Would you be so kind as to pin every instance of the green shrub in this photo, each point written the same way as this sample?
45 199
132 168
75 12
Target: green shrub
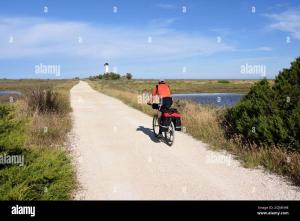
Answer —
269 115
46 175
11 136
223 82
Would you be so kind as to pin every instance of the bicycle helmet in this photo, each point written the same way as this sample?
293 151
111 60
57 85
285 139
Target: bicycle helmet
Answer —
161 81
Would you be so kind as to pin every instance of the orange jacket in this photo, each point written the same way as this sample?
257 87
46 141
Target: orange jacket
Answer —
162 90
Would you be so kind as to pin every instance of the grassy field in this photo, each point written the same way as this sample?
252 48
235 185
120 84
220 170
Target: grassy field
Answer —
25 87
35 125
204 123
185 86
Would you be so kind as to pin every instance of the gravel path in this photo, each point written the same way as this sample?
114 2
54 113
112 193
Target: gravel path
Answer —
117 157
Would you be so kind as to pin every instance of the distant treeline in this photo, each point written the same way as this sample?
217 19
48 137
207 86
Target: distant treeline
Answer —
111 76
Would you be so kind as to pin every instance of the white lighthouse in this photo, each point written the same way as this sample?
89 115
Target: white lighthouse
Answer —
106 68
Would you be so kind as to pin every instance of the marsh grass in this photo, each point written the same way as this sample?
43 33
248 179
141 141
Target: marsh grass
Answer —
182 86
48 130
47 101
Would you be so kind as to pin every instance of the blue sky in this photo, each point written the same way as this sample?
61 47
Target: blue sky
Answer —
150 39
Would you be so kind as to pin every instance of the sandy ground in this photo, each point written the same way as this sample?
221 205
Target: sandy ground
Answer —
117 157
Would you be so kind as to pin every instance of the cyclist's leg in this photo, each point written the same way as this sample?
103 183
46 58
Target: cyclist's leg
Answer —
162 108
158 120
160 104
165 104
168 101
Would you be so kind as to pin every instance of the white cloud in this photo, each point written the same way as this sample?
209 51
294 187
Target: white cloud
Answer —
162 23
35 37
254 49
287 21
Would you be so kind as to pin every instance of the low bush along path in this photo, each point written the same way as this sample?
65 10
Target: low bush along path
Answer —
118 157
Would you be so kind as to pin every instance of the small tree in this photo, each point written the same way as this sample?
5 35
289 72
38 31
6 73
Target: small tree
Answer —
114 76
129 76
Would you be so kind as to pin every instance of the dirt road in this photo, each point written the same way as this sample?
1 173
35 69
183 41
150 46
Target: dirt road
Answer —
118 157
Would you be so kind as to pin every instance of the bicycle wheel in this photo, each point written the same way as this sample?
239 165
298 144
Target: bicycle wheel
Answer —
155 125
169 135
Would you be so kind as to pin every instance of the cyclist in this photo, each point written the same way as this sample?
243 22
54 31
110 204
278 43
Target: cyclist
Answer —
163 92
